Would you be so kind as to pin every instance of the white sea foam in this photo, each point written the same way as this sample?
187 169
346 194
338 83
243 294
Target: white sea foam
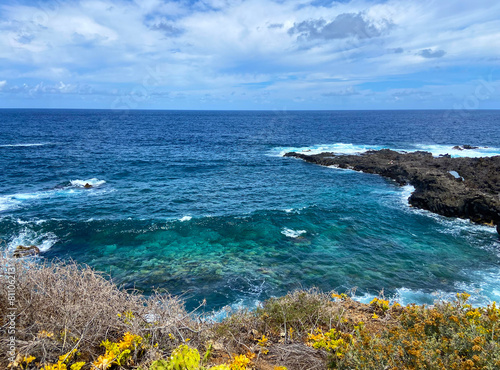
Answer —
224 312
185 218
406 192
36 222
292 233
24 145
8 202
338 148
438 150
27 237
342 148
13 201
483 290
94 182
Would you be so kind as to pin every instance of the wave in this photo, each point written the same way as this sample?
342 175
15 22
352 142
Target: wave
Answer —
185 218
406 192
43 240
13 201
346 149
339 148
24 145
484 289
292 233
94 182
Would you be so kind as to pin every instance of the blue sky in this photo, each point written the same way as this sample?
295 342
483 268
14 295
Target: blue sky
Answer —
250 54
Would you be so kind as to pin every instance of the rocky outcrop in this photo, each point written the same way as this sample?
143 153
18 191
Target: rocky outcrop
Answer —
23 251
465 147
455 187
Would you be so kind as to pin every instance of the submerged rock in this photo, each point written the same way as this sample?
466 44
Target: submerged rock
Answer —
474 196
465 147
23 251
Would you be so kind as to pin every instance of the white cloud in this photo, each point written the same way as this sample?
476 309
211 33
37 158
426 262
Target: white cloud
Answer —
217 46
2 84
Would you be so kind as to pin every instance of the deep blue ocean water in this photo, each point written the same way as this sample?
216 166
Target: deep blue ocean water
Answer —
202 203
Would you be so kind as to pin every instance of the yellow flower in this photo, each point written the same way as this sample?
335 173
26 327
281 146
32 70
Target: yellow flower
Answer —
375 316
67 357
103 362
58 366
45 334
28 359
263 341
240 362
77 365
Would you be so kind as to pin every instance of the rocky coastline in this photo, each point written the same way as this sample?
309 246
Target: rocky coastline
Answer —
467 188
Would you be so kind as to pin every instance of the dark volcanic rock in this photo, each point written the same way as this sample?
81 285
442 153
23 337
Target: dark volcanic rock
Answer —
22 251
464 147
475 195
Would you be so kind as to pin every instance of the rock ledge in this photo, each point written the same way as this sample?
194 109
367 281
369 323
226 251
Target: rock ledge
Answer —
455 187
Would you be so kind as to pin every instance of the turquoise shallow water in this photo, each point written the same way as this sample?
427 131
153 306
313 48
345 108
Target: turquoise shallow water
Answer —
202 204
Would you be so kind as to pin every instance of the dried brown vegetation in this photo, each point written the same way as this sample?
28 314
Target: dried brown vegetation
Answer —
69 317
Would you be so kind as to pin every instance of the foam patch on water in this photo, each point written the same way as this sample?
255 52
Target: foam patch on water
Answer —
224 312
13 201
438 150
8 202
484 290
452 225
346 149
406 192
27 237
94 182
27 145
292 233
338 148
185 218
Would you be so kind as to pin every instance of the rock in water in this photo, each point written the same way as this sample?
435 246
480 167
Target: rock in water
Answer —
465 147
22 251
87 186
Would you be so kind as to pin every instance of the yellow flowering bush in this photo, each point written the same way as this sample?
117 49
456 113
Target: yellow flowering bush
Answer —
332 341
64 360
380 304
187 358
449 335
117 353
240 362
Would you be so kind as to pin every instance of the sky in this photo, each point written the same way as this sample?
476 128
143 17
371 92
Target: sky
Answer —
250 54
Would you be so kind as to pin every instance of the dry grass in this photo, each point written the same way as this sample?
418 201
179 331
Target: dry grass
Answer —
61 306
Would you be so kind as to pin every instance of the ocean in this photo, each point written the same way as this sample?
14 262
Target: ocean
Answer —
203 205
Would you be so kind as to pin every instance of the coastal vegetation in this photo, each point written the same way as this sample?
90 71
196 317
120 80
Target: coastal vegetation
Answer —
69 317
